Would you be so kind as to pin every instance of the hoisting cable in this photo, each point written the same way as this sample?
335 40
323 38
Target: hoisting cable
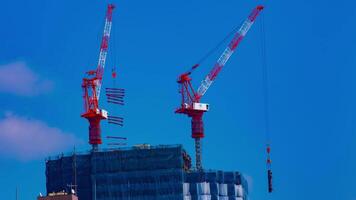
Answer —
214 49
266 104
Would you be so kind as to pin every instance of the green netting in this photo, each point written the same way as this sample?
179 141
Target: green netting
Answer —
134 173
153 173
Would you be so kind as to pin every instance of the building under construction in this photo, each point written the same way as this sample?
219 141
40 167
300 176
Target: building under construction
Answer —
142 172
145 172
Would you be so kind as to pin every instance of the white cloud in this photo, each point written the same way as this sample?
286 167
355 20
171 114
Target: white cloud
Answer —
17 78
26 139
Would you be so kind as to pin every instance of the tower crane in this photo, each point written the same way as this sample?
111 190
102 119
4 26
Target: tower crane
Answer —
190 98
92 85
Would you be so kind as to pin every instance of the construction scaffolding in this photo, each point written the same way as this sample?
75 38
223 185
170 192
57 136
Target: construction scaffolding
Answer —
140 173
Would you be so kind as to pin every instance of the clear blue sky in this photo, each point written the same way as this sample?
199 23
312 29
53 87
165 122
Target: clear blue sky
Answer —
311 65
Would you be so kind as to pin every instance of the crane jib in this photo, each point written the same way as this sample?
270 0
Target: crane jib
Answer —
103 51
206 83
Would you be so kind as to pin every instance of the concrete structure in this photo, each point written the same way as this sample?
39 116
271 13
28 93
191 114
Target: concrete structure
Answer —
141 173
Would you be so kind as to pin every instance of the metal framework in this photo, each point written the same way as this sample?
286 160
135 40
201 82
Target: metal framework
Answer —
190 101
92 85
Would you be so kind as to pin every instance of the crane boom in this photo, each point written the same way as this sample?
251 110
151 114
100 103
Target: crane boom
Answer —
230 49
104 49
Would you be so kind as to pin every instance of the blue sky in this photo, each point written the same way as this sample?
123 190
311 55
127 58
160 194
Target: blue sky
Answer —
48 45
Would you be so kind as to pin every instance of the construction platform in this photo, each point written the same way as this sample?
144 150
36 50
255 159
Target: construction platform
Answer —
142 172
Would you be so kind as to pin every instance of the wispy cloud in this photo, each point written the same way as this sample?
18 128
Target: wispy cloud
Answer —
17 78
26 139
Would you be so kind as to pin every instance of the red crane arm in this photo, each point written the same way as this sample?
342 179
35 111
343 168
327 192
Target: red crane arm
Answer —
230 49
104 49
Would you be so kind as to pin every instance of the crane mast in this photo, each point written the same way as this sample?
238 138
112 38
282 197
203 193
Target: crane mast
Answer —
92 85
190 101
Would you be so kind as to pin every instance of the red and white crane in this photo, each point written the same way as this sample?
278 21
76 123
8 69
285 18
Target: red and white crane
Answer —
92 85
190 102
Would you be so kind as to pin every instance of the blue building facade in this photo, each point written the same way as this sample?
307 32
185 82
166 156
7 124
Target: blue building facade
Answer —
141 173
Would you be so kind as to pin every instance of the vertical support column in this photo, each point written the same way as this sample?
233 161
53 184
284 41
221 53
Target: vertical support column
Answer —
94 189
197 134
93 174
198 154
94 131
